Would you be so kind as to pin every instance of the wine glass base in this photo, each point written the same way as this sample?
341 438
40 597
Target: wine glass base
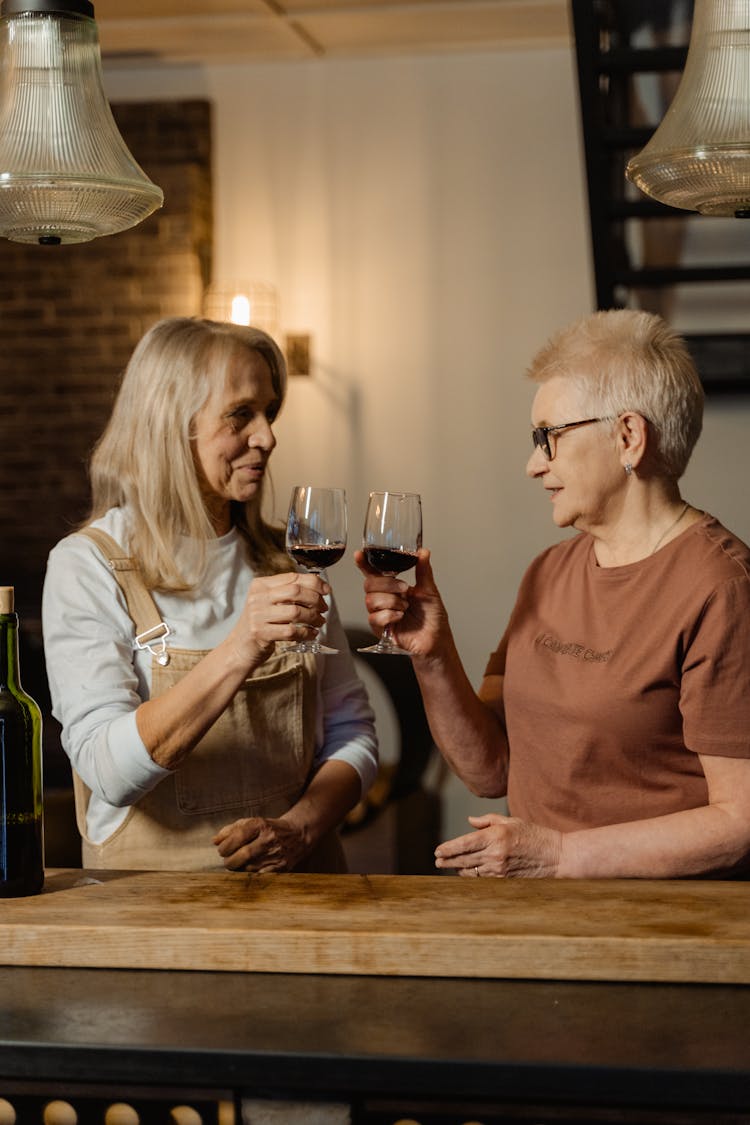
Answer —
314 647
385 650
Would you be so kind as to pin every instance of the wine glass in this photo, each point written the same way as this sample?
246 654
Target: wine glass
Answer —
392 537
316 539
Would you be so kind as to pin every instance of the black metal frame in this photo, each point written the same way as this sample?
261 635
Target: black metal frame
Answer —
48 7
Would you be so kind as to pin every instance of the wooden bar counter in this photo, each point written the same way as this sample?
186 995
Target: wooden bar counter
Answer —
433 999
385 926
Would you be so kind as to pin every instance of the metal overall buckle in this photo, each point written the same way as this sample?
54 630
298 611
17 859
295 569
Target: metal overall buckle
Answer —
154 640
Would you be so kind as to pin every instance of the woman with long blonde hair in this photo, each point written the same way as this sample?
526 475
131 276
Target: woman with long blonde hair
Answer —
195 737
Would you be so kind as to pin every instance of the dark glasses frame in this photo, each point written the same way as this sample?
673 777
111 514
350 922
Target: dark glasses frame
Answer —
540 434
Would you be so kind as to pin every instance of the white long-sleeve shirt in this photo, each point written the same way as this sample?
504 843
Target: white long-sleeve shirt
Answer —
98 679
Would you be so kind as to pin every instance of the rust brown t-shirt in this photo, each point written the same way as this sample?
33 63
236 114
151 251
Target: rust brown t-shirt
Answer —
617 678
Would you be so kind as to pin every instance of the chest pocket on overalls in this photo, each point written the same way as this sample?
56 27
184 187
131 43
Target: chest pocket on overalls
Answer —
261 747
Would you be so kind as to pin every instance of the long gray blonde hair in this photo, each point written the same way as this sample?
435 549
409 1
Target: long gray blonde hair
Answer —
144 463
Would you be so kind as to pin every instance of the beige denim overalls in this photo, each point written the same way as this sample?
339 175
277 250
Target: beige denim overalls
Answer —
255 760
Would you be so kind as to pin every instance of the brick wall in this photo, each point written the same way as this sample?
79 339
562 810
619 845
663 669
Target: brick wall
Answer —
69 319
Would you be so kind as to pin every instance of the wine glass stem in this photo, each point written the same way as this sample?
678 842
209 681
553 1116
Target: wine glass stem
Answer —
386 638
313 645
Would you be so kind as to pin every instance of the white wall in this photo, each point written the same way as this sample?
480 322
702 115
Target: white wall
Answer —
425 220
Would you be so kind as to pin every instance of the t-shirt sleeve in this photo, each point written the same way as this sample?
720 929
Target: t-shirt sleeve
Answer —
715 686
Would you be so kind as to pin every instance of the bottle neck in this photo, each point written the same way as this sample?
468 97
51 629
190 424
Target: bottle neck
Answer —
9 651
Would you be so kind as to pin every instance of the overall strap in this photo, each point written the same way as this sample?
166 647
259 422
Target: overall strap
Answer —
151 631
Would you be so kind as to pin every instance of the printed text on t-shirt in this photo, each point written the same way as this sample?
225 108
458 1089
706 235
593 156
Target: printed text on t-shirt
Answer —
570 648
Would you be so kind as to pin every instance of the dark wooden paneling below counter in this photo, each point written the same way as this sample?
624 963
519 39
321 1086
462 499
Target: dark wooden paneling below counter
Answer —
437 1051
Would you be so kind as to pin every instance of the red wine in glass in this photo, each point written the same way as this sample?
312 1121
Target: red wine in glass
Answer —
391 539
387 561
316 539
316 558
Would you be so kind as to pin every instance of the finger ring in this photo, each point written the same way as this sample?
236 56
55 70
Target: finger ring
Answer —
476 872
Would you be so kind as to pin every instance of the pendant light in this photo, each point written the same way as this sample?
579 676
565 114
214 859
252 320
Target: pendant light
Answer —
66 175
699 157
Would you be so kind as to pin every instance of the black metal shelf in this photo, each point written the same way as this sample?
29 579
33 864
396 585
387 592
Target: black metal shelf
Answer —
640 60
653 278
633 137
723 360
644 209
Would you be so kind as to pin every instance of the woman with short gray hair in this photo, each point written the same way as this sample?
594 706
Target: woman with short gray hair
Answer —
615 711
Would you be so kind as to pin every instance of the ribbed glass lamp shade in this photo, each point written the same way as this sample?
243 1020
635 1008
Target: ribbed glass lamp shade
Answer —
66 175
699 157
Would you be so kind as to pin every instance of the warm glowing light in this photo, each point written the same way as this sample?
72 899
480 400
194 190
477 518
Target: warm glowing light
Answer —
240 301
240 309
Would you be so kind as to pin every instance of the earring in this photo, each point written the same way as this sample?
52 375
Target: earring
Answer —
628 469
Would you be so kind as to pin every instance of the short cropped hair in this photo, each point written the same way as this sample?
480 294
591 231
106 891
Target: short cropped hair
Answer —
630 360
144 459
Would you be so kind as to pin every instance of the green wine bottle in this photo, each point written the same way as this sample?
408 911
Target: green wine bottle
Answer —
21 838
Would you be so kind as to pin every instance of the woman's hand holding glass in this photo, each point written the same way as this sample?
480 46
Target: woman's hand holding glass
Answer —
391 539
392 543
416 610
280 608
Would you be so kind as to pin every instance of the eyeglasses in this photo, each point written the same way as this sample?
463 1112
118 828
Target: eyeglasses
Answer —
540 435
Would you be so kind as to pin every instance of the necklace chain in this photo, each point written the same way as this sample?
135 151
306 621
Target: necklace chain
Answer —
671 527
